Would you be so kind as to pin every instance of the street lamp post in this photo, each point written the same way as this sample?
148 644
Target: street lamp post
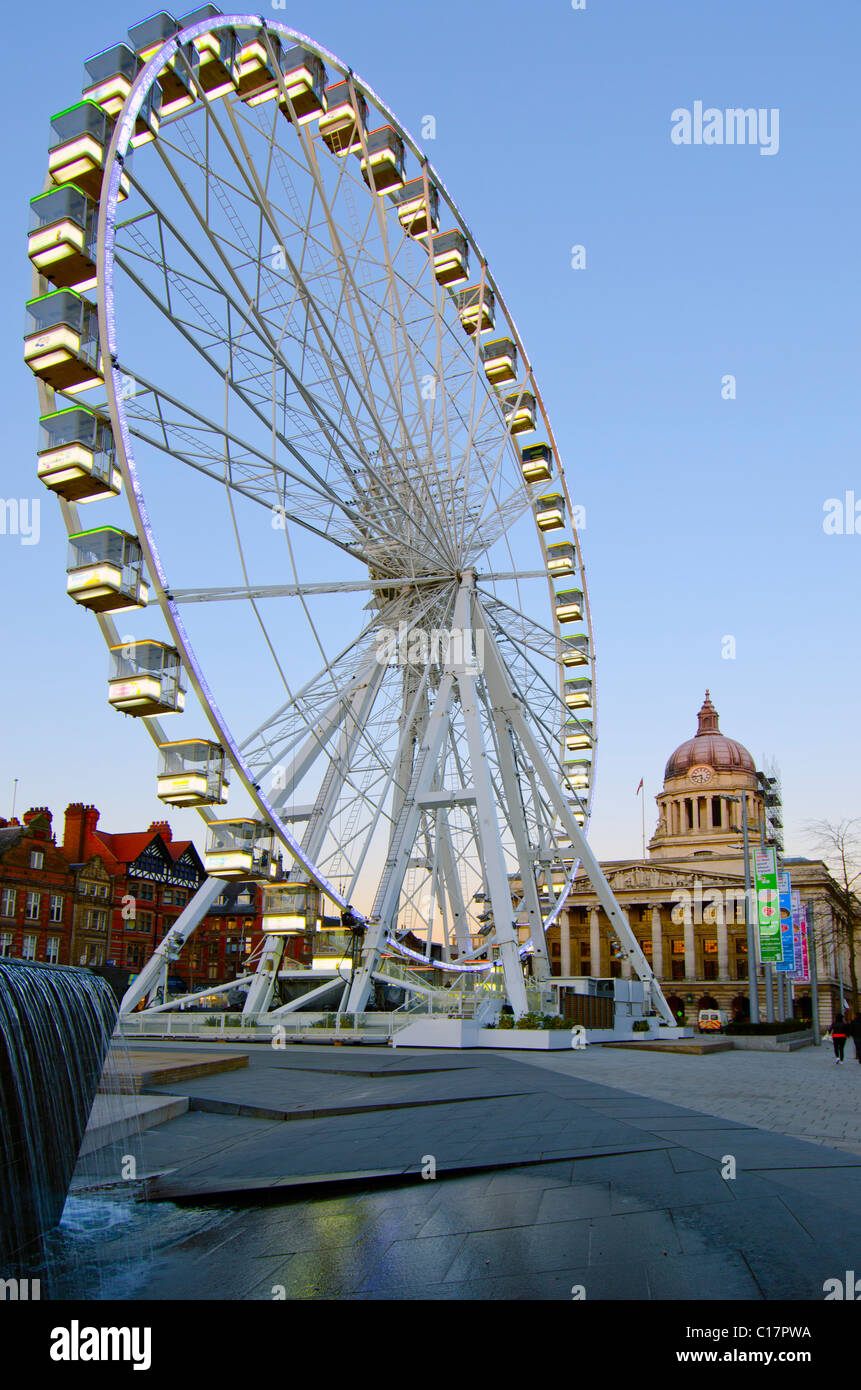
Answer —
814 974
752 979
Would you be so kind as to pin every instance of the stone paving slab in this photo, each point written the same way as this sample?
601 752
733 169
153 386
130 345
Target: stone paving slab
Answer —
559 1182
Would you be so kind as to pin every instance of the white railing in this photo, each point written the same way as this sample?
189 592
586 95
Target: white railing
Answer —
223 1027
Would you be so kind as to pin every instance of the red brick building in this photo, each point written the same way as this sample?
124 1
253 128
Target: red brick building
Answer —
152 878
37 890
105 899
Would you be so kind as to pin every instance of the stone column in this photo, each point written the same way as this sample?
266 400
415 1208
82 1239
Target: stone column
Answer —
690 954
565 939
657 943
723 947
627 971
594 943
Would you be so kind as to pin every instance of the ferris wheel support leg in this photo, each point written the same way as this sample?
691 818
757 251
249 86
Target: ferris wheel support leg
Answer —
493 858
517 821
401 846
606 897
259 995
170 946
453 886
353 712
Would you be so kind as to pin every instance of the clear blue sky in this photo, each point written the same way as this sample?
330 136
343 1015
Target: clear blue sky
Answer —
704 515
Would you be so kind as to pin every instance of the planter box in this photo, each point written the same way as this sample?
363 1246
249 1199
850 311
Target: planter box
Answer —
526 1039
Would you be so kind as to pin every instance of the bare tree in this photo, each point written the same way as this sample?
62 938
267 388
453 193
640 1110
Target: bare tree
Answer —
840 847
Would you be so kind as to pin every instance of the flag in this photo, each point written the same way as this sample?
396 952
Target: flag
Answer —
637 792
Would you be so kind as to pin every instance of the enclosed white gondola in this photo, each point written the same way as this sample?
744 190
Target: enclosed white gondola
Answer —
343 124
62 239
561 559
81 135
61 345
537 462
243 848
383 164
192 772
499 360
578 734
418 207
476 307
519 411
304 77
177 78
257 81
574 651
146 678
578 771
578 693
105 570
569 605
450 258
77 457
217 54
550 512
291 909
110 76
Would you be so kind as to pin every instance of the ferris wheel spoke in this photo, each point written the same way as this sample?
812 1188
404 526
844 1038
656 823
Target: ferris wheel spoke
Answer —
249 172
398 319
413 479
383 534
237 464
321 419
239 591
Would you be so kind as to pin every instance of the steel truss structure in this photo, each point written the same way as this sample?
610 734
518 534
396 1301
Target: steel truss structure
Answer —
347 498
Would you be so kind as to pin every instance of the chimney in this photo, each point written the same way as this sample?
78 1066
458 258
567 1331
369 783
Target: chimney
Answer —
162 828
36 814
81 821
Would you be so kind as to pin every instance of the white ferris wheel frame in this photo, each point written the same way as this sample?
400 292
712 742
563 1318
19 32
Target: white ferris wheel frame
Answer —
503 702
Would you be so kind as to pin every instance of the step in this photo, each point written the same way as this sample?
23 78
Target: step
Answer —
114 1117
142 1068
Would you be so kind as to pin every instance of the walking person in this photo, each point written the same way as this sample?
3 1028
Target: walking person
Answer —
853 1028
838 1038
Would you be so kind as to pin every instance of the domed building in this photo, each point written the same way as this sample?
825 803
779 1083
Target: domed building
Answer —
685 901
700 809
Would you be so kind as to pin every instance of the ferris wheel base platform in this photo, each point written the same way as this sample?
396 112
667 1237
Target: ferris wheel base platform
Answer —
464 1033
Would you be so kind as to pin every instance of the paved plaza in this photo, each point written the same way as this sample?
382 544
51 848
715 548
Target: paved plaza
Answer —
597 1174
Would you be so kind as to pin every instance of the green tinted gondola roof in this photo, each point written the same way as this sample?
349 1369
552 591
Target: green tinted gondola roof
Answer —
61 188
68 410
98 530
77 107
50 295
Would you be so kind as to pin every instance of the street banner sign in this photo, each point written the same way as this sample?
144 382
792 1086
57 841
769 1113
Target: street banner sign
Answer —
787 935
767 904
804 977
801 973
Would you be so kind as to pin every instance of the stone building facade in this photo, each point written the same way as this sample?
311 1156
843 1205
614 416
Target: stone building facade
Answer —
685 901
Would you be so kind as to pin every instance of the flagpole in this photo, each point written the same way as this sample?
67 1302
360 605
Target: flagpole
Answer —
641 789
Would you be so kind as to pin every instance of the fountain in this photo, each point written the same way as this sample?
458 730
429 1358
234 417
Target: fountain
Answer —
55 1028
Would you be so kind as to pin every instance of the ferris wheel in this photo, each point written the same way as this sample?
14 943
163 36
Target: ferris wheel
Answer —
331 532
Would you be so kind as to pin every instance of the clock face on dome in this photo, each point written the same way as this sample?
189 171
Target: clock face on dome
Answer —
701 774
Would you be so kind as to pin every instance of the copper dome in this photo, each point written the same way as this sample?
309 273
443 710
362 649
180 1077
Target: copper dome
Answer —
709 746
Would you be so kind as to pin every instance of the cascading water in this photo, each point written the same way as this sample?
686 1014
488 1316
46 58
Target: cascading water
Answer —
55 1030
